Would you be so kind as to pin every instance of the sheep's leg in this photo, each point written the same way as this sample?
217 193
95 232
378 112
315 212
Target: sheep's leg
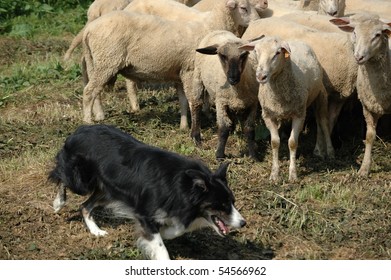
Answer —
224 124
184 90
323 132
195 103
89 96
293 142
334 109
371 121
131 88
99 115
273 125
249 131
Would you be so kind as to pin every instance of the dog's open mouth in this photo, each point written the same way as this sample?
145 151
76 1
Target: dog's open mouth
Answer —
220 225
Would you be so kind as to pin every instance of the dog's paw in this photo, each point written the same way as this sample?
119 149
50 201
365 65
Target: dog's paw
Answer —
99 232
58 204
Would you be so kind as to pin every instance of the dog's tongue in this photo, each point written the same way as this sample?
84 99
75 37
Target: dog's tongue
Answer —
222 227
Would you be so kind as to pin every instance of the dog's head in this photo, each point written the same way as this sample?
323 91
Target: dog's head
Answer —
216 200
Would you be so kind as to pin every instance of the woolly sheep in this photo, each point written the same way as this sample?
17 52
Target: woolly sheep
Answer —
316 21
371 51
96 9
147 47
221 69
168 9
207 5
290 78
379 7
188 3
335 8
333 51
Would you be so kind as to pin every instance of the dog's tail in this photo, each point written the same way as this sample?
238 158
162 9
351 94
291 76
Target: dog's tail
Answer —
73 172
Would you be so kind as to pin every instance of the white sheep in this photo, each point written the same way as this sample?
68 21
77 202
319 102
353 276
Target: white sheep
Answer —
379 7
333 51
371 51
335 8
316 21
290 78
146 47
188 3
167 9
96 9
221 69
207 5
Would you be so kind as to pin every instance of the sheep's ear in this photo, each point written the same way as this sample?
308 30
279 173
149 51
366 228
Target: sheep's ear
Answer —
340 21
248 47
211 50
285 49
346 28
386 27
387 30
230 4
256 39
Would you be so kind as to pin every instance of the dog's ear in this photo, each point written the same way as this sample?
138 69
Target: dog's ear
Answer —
221 172
198 179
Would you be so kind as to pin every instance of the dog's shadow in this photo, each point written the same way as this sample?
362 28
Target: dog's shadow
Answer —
207 245
203 244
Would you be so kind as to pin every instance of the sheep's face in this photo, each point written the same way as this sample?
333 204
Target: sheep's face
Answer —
335 8
232 59
243 12
369 39
270 53
369 35
260 5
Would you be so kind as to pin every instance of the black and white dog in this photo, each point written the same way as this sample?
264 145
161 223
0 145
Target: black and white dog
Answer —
166 193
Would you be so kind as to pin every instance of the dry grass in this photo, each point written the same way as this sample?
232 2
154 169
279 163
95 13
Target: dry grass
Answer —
328 214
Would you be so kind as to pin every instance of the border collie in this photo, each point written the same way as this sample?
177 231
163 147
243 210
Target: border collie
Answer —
165 193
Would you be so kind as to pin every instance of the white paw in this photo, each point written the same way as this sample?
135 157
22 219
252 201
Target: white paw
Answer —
99 232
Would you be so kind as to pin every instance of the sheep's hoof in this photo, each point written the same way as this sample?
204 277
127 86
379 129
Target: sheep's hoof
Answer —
197 140
99 117
363 172
220 158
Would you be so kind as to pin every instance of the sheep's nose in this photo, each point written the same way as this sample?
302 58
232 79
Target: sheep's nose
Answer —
262 78
233 81
360 59
333 14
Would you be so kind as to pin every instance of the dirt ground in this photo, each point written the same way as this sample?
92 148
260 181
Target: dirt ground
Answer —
329 213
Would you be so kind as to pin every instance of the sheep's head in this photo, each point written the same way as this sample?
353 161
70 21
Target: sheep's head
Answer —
271 54
243 11
335 8
260 5
369 35
232 59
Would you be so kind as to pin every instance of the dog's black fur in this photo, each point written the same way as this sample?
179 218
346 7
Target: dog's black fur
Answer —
166 193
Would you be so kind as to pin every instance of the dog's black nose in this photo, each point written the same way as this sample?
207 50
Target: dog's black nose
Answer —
243 223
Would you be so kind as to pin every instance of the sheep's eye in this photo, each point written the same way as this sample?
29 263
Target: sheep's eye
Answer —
277 53
223 57
244 9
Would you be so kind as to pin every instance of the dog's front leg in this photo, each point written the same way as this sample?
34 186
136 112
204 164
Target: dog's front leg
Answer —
153 247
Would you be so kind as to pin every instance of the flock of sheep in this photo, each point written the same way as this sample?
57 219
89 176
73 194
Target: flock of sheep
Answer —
277 56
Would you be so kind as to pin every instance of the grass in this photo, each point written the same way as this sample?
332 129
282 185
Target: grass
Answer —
329 213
